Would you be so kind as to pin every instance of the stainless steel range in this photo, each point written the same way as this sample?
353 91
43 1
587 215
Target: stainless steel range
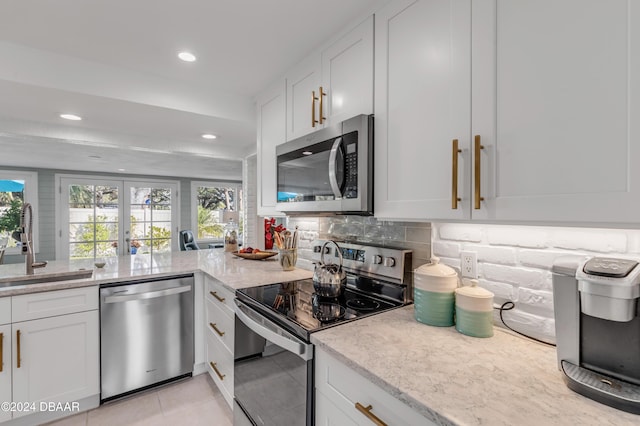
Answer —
274 384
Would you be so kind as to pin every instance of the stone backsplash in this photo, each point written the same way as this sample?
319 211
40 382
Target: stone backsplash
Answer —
414 236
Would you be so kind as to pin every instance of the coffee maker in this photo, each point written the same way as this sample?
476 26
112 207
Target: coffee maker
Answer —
598 328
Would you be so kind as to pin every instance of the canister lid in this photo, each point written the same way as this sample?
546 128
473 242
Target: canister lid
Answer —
436 269
474 291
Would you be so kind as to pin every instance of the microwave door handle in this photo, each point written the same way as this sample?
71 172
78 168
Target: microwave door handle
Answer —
333 178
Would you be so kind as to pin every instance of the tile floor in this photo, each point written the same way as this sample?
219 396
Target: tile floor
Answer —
192 402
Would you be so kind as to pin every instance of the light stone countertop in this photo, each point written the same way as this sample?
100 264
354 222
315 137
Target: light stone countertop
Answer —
454 379
232 271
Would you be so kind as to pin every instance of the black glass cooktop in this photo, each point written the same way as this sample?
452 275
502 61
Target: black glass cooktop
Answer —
296 303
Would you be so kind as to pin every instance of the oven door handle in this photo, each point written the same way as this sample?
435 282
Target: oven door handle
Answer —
304 351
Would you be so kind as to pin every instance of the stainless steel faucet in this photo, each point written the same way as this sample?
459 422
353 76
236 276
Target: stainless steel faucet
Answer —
25 236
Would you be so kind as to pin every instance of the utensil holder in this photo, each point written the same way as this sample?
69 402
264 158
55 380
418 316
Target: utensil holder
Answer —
288 258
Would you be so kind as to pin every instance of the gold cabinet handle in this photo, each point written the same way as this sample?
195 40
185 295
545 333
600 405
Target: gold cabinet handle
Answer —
313 108
477 163
454 175
214 294
220 333
367 412
322 95
1 354
213 365
18 347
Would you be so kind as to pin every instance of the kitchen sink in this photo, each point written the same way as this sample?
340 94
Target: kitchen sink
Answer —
45 278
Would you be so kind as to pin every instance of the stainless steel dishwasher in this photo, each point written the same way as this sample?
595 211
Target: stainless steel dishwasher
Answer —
146 334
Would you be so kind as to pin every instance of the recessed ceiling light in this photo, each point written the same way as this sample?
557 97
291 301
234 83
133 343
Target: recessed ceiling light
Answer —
209 136
70 117
307 153
187 56
121 170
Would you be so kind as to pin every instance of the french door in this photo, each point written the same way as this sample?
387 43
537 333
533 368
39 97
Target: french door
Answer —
105 218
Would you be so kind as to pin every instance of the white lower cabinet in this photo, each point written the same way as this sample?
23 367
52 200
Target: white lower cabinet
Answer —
53 357
57 359
5 369
219 332
344 397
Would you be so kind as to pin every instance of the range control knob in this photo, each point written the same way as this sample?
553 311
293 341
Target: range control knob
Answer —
389 261
377 259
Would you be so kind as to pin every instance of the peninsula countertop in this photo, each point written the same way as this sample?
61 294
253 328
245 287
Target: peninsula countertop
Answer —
232 271
454 379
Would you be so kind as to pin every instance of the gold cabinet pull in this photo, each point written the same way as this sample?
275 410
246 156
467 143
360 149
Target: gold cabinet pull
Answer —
313 109
220 333
476 163
213 365
1 354
322 95
367 412
18 347
454 175
214 294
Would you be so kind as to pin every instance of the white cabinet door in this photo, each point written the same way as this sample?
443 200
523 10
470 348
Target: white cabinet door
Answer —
556 89
347 74
355 399
5 369
422 103
58 358
271 132
302 109
327 414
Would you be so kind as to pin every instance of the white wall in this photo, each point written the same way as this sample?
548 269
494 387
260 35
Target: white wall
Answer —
514 262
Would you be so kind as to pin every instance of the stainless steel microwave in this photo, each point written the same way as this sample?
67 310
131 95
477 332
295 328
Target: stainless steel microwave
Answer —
329 171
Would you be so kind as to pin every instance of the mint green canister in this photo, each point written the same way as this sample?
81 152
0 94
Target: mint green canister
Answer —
434 286
474 310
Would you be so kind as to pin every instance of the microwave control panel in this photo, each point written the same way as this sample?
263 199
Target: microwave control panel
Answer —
351 172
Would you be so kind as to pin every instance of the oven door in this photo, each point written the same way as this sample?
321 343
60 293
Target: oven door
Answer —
274 386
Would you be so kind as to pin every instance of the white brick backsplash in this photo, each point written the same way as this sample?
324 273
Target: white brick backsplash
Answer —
445 249
531 278
592 240
518 236
542 259
514 262
535 301
460 232
502 292
537 326
490 254
453 262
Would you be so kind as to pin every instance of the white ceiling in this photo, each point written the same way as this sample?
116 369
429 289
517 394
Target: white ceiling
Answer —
114 63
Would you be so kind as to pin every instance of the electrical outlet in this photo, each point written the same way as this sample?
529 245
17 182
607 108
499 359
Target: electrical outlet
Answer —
469 264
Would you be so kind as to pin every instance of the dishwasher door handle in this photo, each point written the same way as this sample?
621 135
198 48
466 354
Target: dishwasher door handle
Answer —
284 342
147 295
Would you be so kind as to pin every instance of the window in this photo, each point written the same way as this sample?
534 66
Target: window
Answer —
17 188
102 217
209 200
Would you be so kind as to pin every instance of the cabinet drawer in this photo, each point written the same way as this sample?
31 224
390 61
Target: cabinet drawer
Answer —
5 310
52 303
220 324
344 387
223 360
219 294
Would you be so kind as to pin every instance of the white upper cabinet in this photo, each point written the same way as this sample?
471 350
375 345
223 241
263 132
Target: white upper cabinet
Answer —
422 104
556 89
542 96
271 126
332 85
347 74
